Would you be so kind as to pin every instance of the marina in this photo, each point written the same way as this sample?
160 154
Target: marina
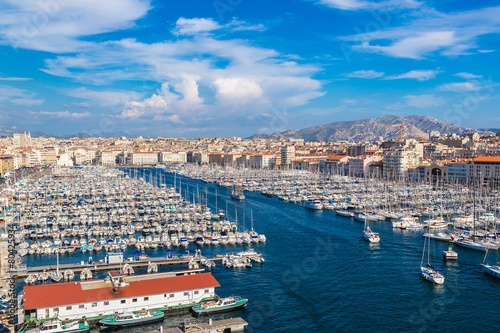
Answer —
333 240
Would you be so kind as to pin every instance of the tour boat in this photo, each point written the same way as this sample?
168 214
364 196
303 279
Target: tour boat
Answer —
56 326
133 318
221 305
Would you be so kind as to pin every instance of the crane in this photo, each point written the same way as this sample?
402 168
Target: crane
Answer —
400 129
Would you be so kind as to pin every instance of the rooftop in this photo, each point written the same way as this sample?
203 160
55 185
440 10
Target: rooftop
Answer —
53 295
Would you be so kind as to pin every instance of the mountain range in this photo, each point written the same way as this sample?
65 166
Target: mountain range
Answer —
387 128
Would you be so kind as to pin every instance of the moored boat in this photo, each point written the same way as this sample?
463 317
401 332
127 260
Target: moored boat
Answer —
220 305
56 326
133 318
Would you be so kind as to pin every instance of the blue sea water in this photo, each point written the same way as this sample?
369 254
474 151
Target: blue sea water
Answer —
321 276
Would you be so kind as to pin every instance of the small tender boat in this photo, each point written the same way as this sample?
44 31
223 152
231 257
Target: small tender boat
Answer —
221 305
56 326
133 318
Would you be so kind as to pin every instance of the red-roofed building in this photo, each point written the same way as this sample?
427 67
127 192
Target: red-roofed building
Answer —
98 298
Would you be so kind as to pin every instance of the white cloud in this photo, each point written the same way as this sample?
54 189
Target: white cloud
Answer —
369 5
423 101
419 75
468 75
239 90
56 26
194 26
368 74
461 86
62 114
485 51
431 33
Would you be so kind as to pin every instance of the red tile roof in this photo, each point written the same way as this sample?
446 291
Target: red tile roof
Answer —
53 295
487 159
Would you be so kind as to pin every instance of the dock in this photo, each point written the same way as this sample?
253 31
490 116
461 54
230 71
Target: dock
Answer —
100 266
223 325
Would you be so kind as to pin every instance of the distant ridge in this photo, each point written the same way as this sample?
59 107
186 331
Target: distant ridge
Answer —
387 127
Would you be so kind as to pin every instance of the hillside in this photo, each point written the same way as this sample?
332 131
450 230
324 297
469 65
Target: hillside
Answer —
387 127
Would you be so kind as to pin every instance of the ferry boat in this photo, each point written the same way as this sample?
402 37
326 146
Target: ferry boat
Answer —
221 305
133 318
56 326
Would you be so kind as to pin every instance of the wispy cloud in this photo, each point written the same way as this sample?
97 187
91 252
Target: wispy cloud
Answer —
103 98
56 26
431 33
15 79
461 86
365 74
203 26
424 101
18 96
468 75
419 75
369 5
62 114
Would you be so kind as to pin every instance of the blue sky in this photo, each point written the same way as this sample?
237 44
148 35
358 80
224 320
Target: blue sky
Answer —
238 67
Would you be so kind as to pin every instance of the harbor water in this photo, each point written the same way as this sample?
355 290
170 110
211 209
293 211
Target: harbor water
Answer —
320 275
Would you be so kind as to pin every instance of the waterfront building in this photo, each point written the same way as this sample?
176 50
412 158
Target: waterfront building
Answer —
108 157
262 161
170 291
359 166
457 171
287 155
484 170
143 158
397 160
6 164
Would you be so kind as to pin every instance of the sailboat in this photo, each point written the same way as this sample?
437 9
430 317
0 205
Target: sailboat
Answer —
370 236
428 272
237 193
56 276
493 270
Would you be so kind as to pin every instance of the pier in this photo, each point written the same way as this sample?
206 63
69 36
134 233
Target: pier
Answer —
194 326
103 266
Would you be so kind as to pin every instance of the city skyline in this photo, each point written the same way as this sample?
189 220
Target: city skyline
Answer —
235 68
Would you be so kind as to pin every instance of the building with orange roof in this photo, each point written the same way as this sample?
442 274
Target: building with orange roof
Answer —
118 293
484 170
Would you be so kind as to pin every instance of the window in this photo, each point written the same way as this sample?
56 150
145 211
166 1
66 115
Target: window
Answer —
106 302
122 301
196 292
69 307
172 295
56 309
207 291
81 306
134 300
94 305
146 298
186 293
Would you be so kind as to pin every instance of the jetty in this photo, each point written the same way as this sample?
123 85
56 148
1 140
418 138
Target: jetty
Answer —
194 326
103 266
